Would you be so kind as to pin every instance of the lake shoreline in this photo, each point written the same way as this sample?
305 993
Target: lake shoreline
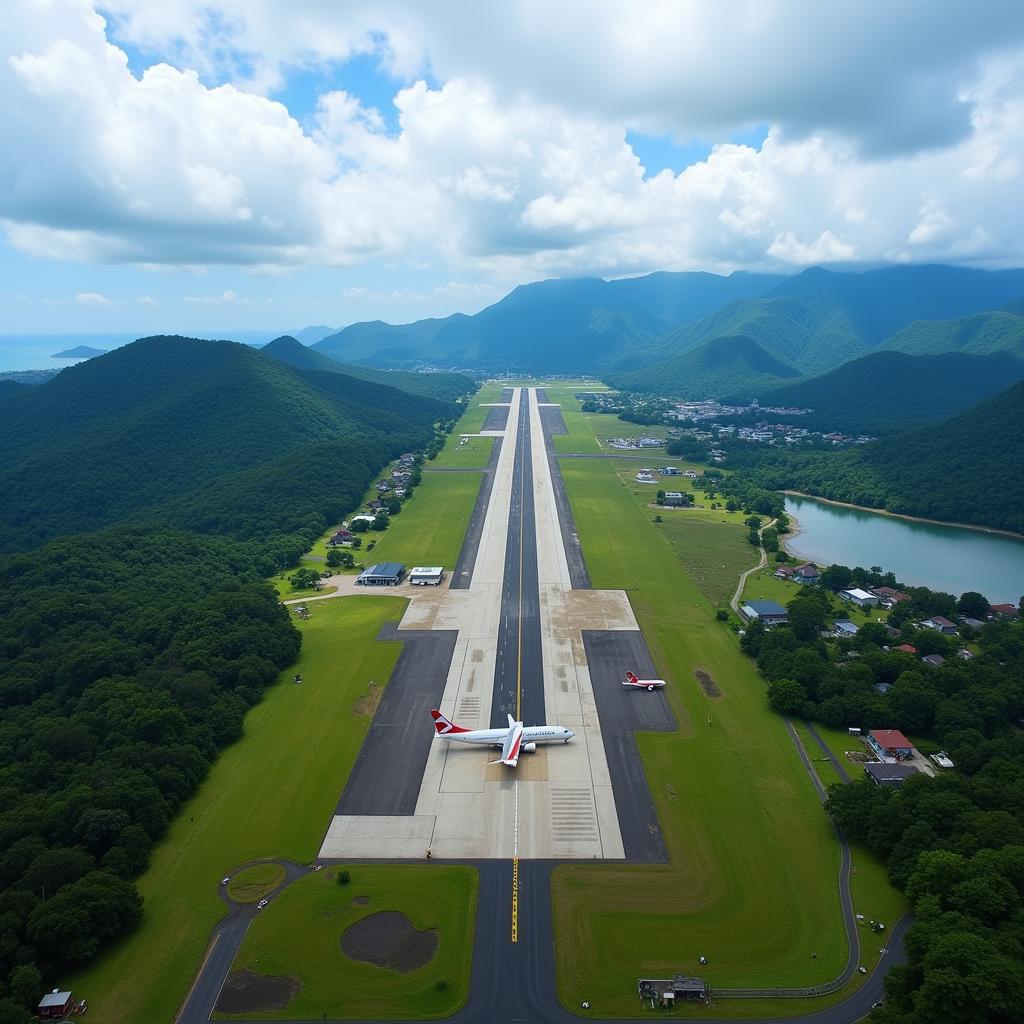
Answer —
897 515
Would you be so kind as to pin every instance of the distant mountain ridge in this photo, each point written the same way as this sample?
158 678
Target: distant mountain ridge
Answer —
552 326
810 322
448 386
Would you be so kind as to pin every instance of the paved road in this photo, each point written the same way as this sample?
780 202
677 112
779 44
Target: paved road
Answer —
388 772
519 662
496 418
734 602
553 423
462 574
623 713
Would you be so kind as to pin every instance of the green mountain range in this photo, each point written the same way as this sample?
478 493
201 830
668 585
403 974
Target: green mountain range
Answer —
551 326
447 386
198 424
888 391
811 322
981 334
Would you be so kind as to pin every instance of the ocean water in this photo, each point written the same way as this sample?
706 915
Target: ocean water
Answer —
35 351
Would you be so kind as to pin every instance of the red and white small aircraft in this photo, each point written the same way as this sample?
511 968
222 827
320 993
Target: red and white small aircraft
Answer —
649 684
512 741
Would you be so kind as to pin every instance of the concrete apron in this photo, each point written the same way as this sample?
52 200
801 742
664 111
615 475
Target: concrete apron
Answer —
558 802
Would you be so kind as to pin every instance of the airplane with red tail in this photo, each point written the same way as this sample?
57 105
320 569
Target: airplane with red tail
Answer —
511 741
646 684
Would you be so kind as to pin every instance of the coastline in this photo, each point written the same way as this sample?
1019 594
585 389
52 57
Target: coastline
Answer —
898 515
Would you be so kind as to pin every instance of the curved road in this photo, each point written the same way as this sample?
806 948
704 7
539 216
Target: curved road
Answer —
734 603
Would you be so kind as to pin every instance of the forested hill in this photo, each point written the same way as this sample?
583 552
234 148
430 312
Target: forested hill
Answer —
447 386
732 365
887 391
968 469
982 333
117 437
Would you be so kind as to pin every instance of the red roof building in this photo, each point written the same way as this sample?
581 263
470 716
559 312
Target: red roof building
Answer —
1005 611
890 743
909 648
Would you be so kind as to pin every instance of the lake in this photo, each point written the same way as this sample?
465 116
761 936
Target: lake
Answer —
947 558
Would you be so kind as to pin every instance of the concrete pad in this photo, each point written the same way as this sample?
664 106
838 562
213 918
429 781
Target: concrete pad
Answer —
377 836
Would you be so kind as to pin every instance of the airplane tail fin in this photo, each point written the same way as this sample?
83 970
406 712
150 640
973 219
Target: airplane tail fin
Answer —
631 676
442 726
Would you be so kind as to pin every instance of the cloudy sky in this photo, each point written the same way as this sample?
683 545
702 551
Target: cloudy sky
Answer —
192 165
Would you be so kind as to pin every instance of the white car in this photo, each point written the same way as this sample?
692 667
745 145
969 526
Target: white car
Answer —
224 881
262 904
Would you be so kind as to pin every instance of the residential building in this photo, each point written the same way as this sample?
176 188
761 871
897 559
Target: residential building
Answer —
888 596
807 573
844 628
906 648
935 660
55 1005
890 743
888 774
940 623
676 499
1005 611
973 623
342 537
670 471
964 655
943 760
769 613
861 598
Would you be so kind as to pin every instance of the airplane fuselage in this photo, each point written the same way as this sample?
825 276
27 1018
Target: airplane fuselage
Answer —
496 737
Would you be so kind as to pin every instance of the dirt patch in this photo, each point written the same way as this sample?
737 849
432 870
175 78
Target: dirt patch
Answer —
360 901
367 704
388 939
707 683
249 992
858 757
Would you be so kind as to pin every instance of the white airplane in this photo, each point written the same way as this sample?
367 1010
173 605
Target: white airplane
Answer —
650 684
512 741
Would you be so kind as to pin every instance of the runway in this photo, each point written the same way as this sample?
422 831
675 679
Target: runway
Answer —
518 629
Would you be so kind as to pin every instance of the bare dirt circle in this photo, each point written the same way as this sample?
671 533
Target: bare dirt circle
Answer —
707 682
249 992
388 939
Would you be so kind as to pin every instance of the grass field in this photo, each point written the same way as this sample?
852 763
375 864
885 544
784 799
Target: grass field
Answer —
753 878
474 454
431 525
269 795
253 883
334 986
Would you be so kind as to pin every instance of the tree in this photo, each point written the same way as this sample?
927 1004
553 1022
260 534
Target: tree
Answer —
359 525
807 617
380 523
787 697
304 578
26 985
71 925
336 558
660 497
973 605
753 522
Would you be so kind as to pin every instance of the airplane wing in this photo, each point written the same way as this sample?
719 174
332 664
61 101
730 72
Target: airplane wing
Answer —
513 744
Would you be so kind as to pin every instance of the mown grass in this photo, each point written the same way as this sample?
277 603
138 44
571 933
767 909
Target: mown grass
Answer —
753 878
253 883
474 454
430 528
269 795
319 910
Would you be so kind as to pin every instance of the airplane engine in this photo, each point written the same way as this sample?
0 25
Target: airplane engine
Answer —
650 688
529 747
